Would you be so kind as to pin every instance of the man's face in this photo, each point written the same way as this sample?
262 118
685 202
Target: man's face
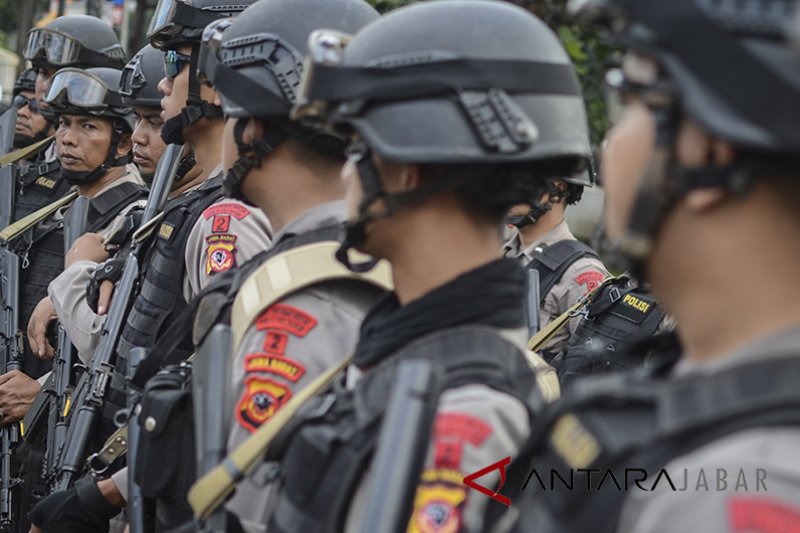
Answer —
176 90
43 77
82 142
630 144
147 143
29 123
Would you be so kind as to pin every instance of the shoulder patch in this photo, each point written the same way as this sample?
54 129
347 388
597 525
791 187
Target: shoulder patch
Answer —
238 211
47 183
763 515
451 431
261 400
634 307
221 224
275 342
439 503
592 279
286 318
273 364
220 253
165 230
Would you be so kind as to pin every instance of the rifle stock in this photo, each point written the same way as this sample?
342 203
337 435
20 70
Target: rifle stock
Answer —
90 392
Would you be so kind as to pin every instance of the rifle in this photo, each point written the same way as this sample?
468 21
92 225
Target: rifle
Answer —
74 226
532 303
10 337
139 515
210 389
90 392
402 446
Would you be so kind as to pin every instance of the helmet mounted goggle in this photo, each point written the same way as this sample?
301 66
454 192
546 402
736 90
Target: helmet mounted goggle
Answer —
132 78
76 89
219 63
172 17
52 47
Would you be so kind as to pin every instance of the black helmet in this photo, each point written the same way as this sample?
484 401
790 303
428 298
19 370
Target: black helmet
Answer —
140 77
743 87
25 82
92 92
500 98
74 41
177 22
257 63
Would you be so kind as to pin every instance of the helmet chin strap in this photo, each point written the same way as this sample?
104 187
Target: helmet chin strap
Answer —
195 108
538 210
250 156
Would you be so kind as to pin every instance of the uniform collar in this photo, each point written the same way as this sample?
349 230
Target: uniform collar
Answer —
560 232
319 216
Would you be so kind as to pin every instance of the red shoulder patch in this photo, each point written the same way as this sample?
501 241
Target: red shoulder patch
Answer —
262 398
275 342
273 364
220 253
591 279
286 318
221 224
226 208
762 515
450 432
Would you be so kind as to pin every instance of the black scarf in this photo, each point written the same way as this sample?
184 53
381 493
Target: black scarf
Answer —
491 295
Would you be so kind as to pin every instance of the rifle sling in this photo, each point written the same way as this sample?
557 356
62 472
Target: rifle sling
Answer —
12 231
22 153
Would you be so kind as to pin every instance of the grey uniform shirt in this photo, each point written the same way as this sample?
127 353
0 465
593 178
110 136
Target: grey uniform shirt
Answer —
581 277
745 482
290 344
475 426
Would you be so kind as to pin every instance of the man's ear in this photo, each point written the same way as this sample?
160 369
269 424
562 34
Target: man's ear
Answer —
125 145
698 148
254 130
410 177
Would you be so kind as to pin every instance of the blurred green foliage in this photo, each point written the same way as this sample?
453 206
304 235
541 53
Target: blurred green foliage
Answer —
592 57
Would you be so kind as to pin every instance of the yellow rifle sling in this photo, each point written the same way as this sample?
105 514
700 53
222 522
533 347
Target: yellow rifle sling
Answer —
22 153
291 271
12 231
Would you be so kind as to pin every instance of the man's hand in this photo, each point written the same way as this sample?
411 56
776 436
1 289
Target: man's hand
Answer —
17 392
83 508
42 316
88 247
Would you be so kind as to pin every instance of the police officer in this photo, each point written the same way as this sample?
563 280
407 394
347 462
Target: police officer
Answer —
444 138
698 168
567 267
202 233
31 126
291 171
94 145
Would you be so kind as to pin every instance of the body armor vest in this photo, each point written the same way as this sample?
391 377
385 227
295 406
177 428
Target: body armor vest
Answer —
39 185
553 260
620 315
635 420
42 252
160 299
328 450
167 396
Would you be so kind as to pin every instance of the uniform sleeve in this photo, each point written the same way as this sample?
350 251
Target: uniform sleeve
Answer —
581 277
68 294
120 479
227 234
475 427
290 344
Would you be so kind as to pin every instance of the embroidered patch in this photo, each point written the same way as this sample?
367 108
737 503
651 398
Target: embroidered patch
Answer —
286 318
634 307
237 210
220 253
221 224
760 514
166 230
461 426
275 342
439 503
280 366
261 400
447 453
47 183
591 279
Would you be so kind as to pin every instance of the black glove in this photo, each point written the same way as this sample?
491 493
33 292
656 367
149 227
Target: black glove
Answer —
111 270
125 232
81 509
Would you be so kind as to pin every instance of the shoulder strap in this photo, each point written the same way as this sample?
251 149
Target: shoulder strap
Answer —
553 260
22 225
109 204
22 153
289 272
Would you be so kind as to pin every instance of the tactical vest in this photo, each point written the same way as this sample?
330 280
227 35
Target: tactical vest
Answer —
553 260
42 250
641 421
167 396
620 315
160 299
40 185
326 454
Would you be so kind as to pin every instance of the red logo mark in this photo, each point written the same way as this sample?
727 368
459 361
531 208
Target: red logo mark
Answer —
500 465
